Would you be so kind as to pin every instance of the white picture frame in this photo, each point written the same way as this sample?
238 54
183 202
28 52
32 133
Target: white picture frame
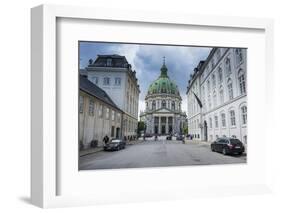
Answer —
45 178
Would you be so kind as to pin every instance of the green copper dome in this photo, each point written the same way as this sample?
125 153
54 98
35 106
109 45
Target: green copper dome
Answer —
163 84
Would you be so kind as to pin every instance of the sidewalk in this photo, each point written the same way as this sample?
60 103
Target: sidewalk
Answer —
90 151
197 141
98 149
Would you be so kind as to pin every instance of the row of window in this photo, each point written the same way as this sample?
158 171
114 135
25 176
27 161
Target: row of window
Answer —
130 126
106 81
132 105
102 110
214 102
227 62
163 104
244 139
212 97
232 119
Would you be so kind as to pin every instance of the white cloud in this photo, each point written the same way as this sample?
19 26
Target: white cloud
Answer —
147 61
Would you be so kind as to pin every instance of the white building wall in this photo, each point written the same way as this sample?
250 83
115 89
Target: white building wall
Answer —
125 95
95 126
116 92
213 105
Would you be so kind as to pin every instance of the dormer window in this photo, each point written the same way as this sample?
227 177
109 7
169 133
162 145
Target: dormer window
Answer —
109 62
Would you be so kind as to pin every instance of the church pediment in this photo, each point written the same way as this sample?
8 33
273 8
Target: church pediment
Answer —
164 110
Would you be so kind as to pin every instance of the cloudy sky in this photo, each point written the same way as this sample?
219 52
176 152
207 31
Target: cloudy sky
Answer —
147 61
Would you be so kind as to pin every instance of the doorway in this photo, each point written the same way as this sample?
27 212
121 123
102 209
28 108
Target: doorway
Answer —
117 132
163 129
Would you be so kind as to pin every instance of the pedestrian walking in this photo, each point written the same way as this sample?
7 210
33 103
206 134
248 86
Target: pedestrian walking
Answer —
105 139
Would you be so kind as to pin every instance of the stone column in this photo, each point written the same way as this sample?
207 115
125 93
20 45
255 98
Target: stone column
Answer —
151 125
159 125
173 124
167 125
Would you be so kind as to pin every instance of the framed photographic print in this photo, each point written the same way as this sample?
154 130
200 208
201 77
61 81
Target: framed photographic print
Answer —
149 106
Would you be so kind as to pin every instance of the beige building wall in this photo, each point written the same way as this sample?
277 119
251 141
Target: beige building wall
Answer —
97 119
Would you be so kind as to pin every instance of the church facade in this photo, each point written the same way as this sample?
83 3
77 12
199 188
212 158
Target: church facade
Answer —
163 114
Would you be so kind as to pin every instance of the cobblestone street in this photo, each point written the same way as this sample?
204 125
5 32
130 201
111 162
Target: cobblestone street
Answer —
158 153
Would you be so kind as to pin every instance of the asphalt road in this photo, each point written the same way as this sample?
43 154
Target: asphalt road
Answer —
157 154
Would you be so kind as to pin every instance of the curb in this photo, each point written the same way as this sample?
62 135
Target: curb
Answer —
88 152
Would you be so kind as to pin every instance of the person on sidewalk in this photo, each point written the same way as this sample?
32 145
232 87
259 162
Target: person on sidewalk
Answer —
105 139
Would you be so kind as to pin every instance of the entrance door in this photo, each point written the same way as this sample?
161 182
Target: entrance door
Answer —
117 132
205 131
163 129
156 129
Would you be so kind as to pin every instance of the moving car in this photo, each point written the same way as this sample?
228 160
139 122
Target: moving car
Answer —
180 137
228 146
115 145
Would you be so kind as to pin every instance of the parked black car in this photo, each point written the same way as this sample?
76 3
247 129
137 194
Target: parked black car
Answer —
115 145
169 137
228 146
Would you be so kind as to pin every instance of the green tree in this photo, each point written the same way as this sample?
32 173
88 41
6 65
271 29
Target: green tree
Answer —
141 127
185 130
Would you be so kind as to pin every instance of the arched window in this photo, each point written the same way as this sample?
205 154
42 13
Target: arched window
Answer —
203 92
232 118
215 98
153 105
221 95
230 89
163 104
214 80
223 122
220 75
244 114
210 123
173 105
242 81
228 66
216 121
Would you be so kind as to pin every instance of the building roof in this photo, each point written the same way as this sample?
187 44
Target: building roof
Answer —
163 84
92 89
110 61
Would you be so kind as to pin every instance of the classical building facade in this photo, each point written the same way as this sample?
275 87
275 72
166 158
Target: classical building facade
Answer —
98 115
115 76
163 114
217 96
